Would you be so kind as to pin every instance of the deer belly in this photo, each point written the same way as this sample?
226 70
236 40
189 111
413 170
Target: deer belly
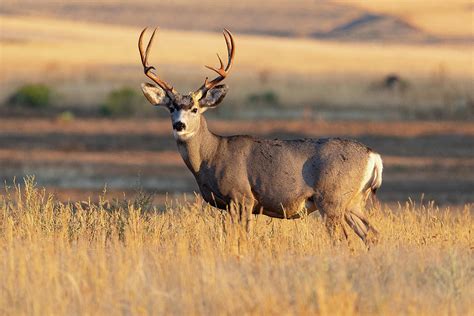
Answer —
290 209
214 198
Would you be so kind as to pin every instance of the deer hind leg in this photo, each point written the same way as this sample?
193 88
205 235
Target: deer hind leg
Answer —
359 223
333 217
336 228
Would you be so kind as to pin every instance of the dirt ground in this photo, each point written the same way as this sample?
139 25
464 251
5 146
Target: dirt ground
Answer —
81 158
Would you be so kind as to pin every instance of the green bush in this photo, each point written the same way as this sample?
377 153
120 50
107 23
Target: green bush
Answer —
268 97
37 96
65 117
122 102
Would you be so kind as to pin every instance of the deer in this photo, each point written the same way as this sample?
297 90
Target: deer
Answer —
277 178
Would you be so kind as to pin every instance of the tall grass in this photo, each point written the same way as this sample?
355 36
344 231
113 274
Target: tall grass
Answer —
129 258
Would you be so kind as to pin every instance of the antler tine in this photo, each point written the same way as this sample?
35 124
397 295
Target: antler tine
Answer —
229 41
214 69
148 69
148 47
144 56
222 71
140 44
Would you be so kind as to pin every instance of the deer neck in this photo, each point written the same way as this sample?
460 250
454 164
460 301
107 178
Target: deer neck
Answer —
200 149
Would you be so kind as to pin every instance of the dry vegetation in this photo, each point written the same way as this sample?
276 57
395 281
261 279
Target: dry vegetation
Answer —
85 49
129 257
67 43
83 61
125 257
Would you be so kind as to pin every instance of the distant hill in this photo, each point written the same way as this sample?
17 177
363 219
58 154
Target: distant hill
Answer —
448 20
377 27
304 18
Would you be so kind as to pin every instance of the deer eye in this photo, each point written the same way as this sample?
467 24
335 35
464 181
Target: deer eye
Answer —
194 110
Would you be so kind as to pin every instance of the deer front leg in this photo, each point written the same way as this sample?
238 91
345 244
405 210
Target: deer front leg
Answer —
241 210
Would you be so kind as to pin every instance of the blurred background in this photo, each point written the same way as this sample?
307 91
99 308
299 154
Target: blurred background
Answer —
396 75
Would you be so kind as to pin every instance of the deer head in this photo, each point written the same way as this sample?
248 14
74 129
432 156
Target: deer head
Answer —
186 110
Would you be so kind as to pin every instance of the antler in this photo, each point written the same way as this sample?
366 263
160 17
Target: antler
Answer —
222 72
170 91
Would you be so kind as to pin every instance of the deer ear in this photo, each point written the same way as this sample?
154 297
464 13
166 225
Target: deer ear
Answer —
214 96
155 95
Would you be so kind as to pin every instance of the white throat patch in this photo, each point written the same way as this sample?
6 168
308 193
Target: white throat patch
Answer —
182 135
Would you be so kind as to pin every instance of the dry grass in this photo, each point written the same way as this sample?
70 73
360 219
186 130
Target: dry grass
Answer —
55 43
189 259
84 61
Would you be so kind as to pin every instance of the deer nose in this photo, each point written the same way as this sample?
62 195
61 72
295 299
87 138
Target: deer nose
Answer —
179 126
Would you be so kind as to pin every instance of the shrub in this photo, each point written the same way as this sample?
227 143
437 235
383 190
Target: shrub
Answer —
268 97
65 116
122 102
391 82
37 96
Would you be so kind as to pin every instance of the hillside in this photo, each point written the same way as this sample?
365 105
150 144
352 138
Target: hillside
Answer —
444 19
417 21
48 41
307 53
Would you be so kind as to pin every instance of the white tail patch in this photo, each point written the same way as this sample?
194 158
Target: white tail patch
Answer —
377 181
372 179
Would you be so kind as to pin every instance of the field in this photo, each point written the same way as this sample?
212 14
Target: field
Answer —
85 61
100 216
124 257
84 251
430 159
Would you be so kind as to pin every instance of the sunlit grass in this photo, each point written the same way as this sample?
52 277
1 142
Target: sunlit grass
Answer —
54 43
129 257
83 62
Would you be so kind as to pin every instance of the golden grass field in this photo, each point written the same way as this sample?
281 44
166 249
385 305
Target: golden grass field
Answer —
91 239
83 61
45 41
126 258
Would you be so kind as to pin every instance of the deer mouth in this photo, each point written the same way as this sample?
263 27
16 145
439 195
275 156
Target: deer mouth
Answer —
183 134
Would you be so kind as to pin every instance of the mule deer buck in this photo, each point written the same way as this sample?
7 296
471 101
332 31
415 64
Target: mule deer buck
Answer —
277 178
